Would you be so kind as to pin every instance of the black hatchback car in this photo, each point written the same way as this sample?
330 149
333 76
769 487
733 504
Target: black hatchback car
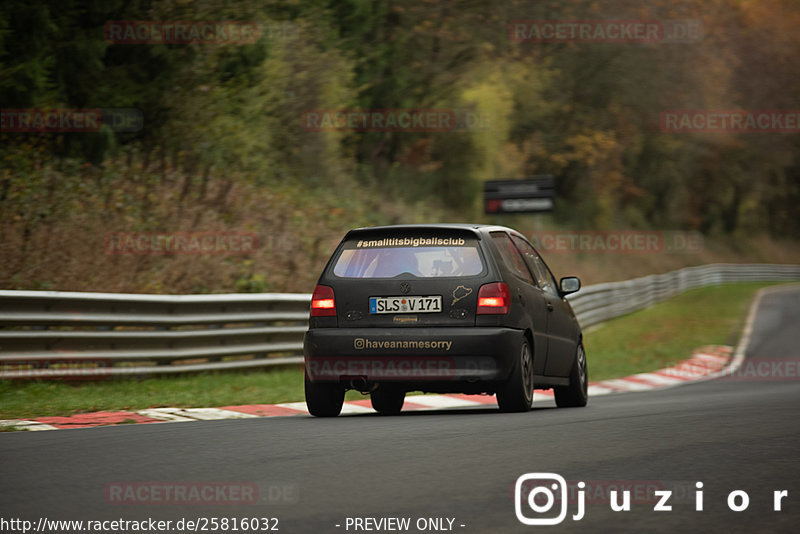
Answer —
441 308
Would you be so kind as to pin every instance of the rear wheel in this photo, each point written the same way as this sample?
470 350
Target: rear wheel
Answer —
516 395
388 399
324 399
576 394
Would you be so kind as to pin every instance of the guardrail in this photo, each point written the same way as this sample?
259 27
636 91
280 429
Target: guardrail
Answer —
54 334
48 334
601 302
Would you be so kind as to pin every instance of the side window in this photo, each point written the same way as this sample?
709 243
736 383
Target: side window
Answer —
544 279
511 256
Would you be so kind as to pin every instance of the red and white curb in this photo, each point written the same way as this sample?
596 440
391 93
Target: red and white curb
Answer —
705 363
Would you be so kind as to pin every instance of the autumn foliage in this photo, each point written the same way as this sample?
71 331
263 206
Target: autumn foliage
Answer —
222 145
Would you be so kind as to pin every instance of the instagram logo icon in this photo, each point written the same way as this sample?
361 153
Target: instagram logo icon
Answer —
540 492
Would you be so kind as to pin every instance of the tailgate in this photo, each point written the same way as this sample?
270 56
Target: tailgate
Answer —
408 278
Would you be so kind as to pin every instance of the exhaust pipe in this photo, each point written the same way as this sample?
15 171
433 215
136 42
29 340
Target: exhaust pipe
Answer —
361 385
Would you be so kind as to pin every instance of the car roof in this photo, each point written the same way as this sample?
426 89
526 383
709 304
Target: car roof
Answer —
476 229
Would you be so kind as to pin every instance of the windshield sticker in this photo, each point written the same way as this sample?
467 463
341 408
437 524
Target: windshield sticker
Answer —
411 242
459 293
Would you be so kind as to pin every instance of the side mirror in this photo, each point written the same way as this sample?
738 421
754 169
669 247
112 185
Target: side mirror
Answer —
569 284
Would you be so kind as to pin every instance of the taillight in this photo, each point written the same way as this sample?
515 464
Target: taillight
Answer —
322 302
494 299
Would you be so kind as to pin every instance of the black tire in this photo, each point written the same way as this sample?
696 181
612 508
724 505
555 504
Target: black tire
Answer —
388 399
324 399
516 395
576 394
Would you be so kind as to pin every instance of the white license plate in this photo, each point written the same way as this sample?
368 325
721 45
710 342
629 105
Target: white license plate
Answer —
430 304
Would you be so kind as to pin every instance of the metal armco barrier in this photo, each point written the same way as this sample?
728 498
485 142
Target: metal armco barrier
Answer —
54 334
601 302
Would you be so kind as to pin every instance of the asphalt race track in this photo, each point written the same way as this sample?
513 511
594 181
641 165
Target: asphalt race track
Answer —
735 433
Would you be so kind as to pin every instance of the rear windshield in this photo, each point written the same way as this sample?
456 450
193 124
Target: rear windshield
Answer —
372 259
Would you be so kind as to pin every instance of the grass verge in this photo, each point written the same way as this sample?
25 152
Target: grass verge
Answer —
666 333
639 342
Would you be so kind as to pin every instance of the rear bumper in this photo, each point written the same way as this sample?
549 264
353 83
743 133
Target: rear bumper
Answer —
428 358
